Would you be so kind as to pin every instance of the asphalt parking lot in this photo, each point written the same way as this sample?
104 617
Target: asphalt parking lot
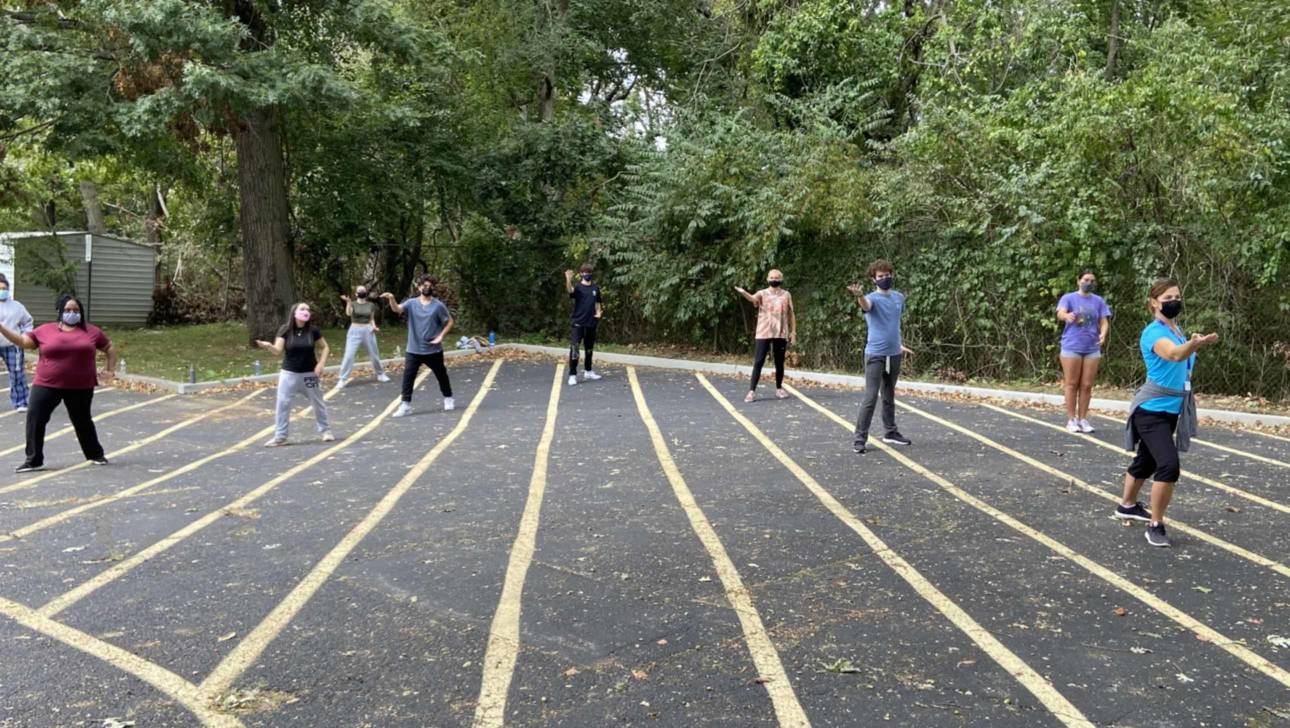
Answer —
642 550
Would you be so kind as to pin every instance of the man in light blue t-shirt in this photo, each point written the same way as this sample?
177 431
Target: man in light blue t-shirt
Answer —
882 354
428 322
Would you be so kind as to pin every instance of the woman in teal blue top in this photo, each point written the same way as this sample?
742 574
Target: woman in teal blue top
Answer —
1153 416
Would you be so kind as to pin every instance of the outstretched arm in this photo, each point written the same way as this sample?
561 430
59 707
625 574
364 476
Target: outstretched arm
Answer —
23 340
395 306
276 347
568 281
858 291
752 297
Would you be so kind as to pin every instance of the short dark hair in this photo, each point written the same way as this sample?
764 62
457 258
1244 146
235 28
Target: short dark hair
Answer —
586 268
879 266
427 278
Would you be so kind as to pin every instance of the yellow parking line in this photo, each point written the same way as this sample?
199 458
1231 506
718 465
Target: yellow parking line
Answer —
1175 524
97 418
121 568
769 667
1202 631
504 634
1041 688
1217 446
74 511
165 681
250 648
1186 473
31 482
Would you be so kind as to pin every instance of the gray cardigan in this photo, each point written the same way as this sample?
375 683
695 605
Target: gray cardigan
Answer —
1186 419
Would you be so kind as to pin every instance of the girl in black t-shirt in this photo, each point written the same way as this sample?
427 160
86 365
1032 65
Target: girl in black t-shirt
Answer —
302 367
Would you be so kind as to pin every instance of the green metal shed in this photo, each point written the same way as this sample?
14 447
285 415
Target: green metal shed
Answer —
114 277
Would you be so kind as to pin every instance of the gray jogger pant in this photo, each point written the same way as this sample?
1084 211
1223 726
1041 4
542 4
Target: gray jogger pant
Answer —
290 384
359 335
880 374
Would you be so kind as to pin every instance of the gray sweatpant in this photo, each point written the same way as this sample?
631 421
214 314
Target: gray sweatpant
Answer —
292 383
359 335
880 374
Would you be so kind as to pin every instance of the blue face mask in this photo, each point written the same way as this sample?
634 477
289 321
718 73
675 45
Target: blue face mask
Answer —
4 294
586 276
71 318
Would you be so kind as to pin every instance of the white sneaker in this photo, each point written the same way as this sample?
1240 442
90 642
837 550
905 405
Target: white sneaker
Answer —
382 378
340 384
448 404
1086 426
590 375
404 410
1072 426
276 442
20 409
328 437
573 379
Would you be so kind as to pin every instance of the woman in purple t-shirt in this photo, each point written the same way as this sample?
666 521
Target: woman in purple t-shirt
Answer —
1087 319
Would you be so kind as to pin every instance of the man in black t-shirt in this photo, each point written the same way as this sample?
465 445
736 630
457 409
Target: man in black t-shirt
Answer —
586 314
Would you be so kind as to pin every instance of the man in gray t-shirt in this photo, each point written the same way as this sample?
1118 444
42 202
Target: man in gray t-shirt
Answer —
428 322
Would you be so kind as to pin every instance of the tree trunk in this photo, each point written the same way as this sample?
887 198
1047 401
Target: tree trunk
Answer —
94 221
264 222
1113 40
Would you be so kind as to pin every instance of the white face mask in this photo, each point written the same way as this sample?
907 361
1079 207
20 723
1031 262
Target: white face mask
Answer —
71 318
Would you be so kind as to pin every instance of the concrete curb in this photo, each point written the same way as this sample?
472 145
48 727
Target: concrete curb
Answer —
857 382
194 388
657 362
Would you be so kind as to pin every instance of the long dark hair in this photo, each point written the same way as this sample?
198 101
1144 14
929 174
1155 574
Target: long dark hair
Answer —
62 304
291 325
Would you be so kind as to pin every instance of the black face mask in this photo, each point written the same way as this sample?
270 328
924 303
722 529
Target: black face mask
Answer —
427 290
775 284
362 294
1171 309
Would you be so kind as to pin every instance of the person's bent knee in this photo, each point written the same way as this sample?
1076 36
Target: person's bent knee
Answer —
1167 471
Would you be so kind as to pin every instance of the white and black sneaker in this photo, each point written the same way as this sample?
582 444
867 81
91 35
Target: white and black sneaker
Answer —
99 461
28 467
895 438
1135 512
859 448
1156 535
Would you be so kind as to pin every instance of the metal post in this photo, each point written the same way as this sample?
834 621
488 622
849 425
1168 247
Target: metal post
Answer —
89 267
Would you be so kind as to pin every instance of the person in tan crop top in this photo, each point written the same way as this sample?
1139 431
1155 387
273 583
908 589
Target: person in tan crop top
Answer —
776 329
362 332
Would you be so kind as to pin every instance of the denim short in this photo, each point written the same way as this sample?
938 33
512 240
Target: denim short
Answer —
1077 355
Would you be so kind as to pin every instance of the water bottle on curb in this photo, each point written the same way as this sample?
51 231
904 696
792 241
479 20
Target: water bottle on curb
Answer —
192 373
492 338
120 368
257 368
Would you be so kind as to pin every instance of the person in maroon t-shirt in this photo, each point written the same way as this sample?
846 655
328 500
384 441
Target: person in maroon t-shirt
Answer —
65 373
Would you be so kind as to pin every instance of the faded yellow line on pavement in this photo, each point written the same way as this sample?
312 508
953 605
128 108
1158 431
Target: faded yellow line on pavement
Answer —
1269 434
97 418
1217 446
504 634
71 513
1119 449
165 681
249 649
769 667
1180 526
130 563
31 482
1038 685
1202 631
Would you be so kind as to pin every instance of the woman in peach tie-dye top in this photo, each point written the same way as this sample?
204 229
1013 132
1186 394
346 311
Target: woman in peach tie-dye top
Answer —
776 329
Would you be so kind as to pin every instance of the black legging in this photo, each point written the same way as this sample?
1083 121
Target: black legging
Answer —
779 346
585 335
42 402
412 366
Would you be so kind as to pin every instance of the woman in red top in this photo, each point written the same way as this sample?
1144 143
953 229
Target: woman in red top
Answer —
65 373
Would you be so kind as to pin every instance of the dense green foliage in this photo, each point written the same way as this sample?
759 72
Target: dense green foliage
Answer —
990 149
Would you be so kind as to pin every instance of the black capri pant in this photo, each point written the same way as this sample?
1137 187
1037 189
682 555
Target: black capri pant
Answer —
1157 456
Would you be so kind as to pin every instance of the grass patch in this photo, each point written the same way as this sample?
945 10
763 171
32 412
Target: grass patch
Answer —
218 351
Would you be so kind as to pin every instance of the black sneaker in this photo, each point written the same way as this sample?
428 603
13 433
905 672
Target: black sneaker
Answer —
28 467
895 438
1134 512
99 461
1156 535
859 448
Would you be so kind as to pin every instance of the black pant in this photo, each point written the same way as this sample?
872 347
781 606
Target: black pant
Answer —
585 335
42 402
764 346
1157 456
412 366
880 375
